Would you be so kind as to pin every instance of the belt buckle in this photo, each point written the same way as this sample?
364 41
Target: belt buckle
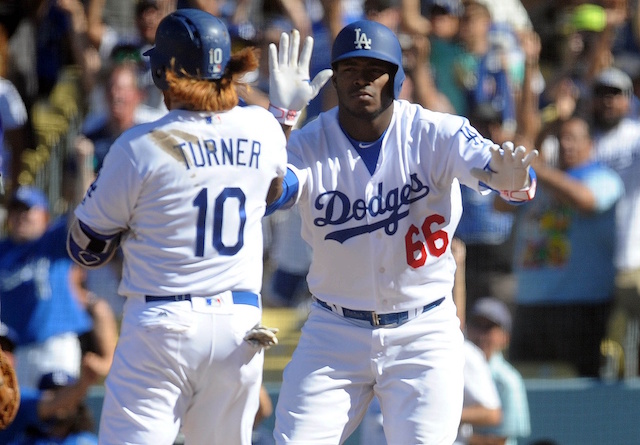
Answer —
375 319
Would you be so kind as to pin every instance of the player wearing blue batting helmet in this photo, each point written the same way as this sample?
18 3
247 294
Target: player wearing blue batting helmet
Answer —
365 38
197 42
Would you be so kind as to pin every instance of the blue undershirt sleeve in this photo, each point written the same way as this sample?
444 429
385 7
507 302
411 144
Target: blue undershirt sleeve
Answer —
289 190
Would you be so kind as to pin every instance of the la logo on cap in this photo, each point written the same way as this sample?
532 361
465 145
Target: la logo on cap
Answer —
361 41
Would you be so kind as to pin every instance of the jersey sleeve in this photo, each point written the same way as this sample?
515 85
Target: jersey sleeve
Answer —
456 148
109 202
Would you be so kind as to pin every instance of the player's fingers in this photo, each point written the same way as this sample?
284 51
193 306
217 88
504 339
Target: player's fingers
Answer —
321 78
305 55
507 149
294 47
496 156
530 157
283 49
273 58
519 153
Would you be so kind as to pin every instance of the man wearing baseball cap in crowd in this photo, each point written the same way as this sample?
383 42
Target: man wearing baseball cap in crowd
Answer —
616 138
54 412
36 296
489 326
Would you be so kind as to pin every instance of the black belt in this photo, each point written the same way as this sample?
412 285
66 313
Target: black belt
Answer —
239 297
378 319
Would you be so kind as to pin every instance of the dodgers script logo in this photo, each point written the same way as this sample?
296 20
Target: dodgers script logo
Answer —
361 40
338 209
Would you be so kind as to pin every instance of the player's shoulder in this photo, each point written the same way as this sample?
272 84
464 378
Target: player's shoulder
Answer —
425 119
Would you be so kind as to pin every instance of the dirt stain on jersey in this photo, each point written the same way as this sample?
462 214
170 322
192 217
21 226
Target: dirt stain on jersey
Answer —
168 141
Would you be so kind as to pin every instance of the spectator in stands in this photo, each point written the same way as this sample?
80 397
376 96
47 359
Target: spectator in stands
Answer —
482 69
39 406
115 47
445 49
13 111
565 275
36 294
617 145
99 344
124 110
489 327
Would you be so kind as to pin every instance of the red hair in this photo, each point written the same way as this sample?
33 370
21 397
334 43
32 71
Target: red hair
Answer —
212 95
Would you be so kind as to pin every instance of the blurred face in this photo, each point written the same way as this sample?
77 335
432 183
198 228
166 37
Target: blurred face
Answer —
123 97
474 25
147 23
26 224
364 86
575 143
487 335
443 24
610 105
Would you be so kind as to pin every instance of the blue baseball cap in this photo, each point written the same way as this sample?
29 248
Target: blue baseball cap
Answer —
55 380
30 197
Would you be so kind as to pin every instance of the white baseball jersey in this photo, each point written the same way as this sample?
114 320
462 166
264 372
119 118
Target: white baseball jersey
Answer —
189 192
620 149
391 230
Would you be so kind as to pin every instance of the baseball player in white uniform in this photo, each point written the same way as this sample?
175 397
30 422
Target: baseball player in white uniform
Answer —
377 183
185 197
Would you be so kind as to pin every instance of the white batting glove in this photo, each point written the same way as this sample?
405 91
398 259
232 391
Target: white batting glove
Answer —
261 336
508 172
289 87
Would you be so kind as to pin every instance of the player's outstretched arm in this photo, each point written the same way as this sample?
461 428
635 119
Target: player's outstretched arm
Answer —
509 172
290 87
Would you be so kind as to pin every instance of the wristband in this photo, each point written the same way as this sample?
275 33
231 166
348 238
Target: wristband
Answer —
522 195
284 116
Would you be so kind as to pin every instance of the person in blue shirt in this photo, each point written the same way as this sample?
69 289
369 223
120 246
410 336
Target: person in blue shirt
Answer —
37 295
564 247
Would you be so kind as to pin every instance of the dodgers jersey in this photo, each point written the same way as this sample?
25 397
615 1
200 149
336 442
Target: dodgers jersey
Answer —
38 301
390 231
189 192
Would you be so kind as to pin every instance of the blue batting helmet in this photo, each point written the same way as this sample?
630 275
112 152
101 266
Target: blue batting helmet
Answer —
366 38
198 41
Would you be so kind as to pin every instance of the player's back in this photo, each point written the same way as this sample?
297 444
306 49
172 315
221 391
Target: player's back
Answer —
190 189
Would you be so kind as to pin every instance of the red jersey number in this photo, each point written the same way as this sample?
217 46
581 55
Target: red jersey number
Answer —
435 242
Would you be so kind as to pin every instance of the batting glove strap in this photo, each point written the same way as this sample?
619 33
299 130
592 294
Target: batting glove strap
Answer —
523 195
284 116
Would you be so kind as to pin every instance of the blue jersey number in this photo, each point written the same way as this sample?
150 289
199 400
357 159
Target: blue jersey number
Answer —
201 202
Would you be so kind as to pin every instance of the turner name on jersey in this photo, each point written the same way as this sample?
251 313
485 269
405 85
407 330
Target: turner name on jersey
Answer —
202 153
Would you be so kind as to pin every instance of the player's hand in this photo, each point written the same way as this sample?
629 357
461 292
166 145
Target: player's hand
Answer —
261 336
508 168
290 88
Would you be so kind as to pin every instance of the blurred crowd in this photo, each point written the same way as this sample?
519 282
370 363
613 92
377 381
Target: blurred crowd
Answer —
560 76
